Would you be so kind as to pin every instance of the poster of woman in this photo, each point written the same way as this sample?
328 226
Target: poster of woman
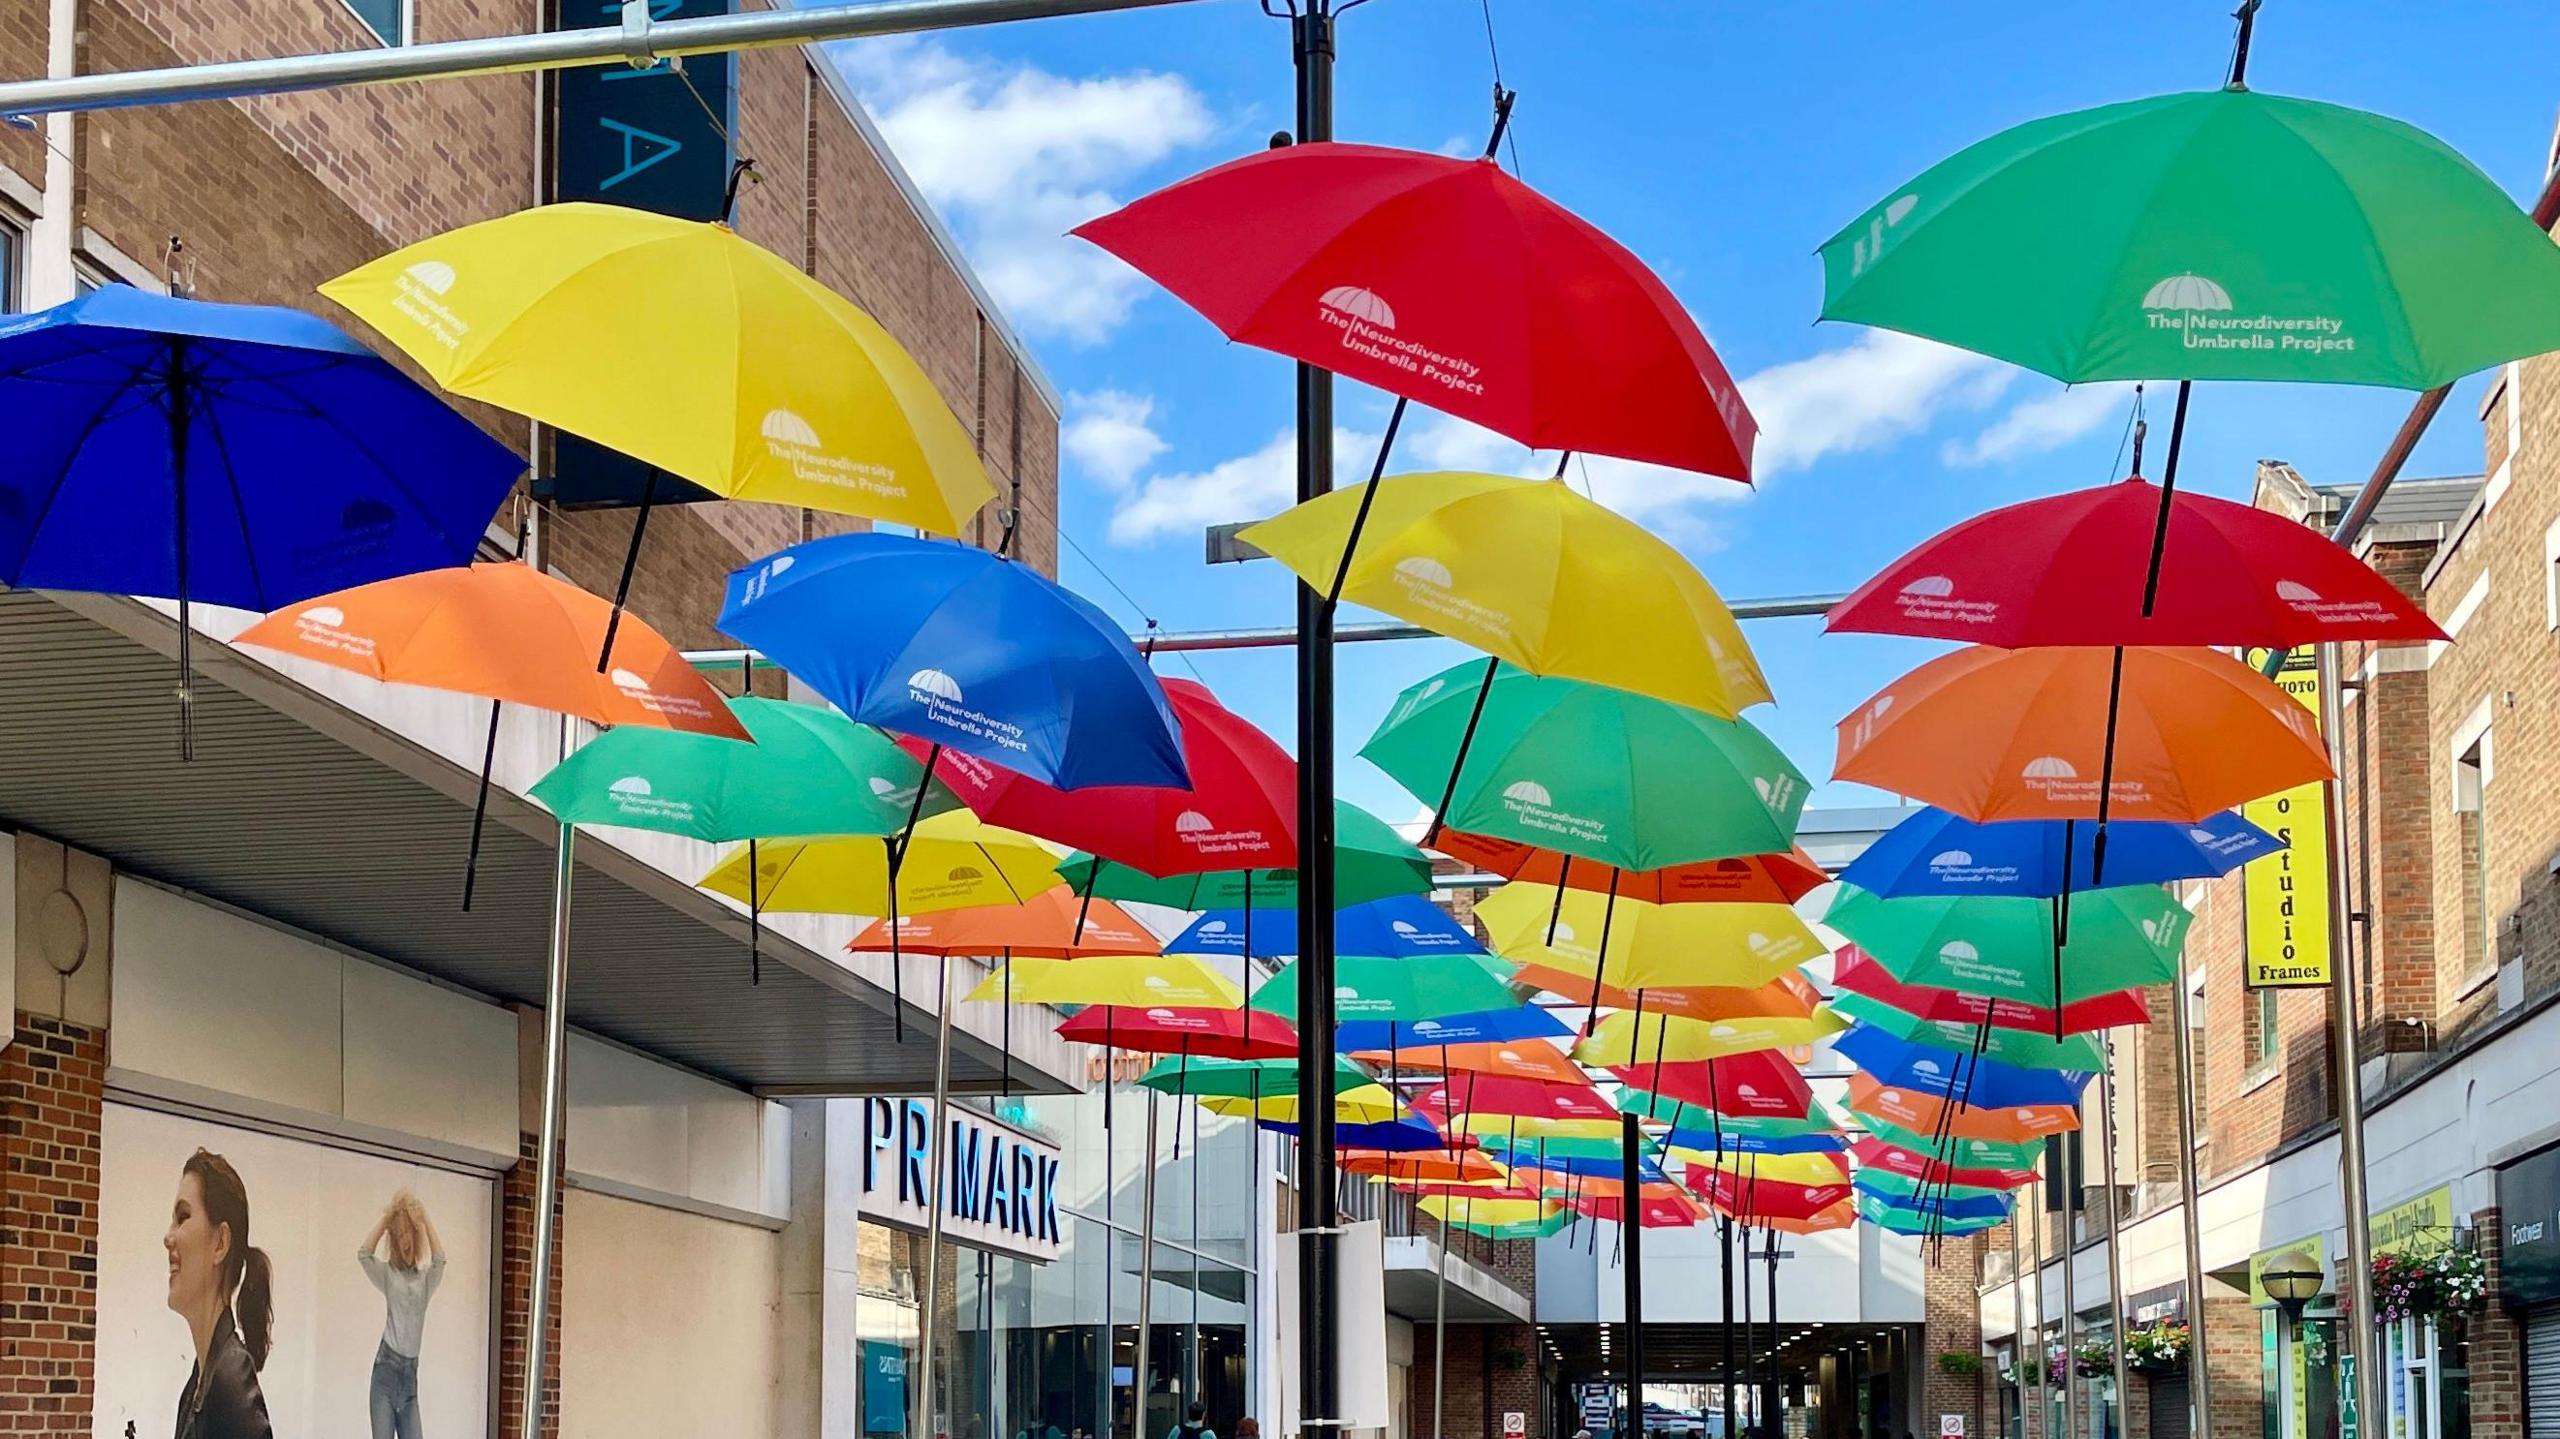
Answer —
253 1285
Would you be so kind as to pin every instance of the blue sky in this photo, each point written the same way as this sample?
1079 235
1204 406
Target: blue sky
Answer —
1721 142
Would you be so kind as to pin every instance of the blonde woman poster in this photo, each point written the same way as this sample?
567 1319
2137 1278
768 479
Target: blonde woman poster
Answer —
405 1260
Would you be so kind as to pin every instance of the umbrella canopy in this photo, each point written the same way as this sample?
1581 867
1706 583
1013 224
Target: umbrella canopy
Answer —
1542 1063
1480 1096
1761 1083
1880 1157
1238 811
1444 1165
793 396
1531 572
1705 1144
1631 1037
1744 1197
952 861
1825 1167
964 649
1526 1229
1938 853
1406 1135
1449 283
1926 1111
503 632
1370 861
1130 981
1486 1026
1403 926
2072 569
1964 1153
2077 1053
2004 948
1744 879
2020 734
1855 974
1469 1211
1243 1078
1934 1217
1663 1208
810 771
1978 1083
1049 925
1366 1104
1597 773
1790 995
1403 991
2224 234
1671 946
240 455
1686 1117
1200 1033
1838 1216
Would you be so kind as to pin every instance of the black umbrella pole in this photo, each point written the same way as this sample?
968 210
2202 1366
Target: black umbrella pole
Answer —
1319 1218
480 812
630 563
181 417
1725 1226
1631 1234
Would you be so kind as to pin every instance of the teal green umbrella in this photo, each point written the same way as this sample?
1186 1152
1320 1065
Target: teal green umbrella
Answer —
1684 1114
2218 235
1903 1187
2120 938
1960 1152
1243 1078
1371 861
2028 1049
1399 990
1517 1229
810 772
1599 774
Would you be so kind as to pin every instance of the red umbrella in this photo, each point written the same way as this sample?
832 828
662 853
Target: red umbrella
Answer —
1239 813
1753 879
1761 1083
1913 1164
2070 569
1745 1197
1204 1033
1524 1098
1854 972
1448 283
1661 1205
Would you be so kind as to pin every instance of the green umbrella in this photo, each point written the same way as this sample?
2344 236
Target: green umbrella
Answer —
1243 1078
1371 861
1431 986
1963 1153
2001 947
1596 773
2219 235
1522 1229
1684 1114
2076 1053
810 772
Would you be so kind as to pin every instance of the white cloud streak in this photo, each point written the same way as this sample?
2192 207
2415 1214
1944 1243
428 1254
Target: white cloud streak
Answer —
2039 426
1109 436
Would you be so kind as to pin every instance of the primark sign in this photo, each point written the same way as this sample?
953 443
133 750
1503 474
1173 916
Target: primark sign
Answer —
999 1184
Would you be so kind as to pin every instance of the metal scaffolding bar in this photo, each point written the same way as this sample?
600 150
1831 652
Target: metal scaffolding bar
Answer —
637 41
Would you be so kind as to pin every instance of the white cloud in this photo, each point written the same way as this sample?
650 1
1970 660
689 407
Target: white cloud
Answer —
2040 425
1248 487
1013 157
1877 389
1110 436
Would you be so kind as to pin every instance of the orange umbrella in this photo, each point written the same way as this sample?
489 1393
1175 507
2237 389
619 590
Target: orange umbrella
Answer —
1752 879
1461 1163
509 634
1925 1113
1789 996
2023 734
1838 1216
1526 1059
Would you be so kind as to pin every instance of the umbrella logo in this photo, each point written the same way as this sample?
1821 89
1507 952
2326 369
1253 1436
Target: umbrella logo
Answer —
764 577
1530 792
1958 951
1359 304
1777 791
1404 926
1160 1015
1564 934
885 788
1157 981
1426 1026
2189 291
1746 1091
1213 926
1924 1066
1930 587
634 785
782 427
1190 821
2296 592
1423 570
1951 859
792 440
1869 247
2203 836
929 685
434 276
2049 767
1865 729
1344 991
966 874
630 681
420 297
1511 1056
329 615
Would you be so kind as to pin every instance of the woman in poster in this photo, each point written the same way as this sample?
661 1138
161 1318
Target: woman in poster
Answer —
221 1287
408 1279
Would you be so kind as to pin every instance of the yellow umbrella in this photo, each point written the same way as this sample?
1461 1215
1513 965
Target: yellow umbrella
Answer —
1470 1209
1144 981
1369 1104
953 861
1774 1168
1628 1038
1529 571
1534 1126
1650 946
684 346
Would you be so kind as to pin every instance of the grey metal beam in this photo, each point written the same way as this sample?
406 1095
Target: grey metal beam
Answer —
637 41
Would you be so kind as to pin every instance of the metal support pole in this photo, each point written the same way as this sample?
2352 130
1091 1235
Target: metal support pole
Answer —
1319 1217
515 54
1146 1269
1726 1313
1631 1232
2019 1349
2345 1024
2044 1384
936 1159
1440 1333
2070 1282
2118 1321
2199 1373
546 1168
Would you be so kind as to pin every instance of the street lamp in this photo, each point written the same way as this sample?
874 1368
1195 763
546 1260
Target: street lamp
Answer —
2292 1287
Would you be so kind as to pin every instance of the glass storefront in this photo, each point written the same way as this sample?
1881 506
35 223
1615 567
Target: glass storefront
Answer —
1051 1351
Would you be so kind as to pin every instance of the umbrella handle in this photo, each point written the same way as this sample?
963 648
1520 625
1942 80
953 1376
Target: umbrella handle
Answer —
1007 1080
1449 791
480 809
1368 496
181 419
915 812
630 562
755 923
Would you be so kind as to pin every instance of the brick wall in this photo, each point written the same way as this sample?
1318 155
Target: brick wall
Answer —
2231 1337
52 1086
516 1208
2497 1347
1953 1316
1484 1382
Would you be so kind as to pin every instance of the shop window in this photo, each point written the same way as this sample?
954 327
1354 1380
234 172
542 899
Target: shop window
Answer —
12 252
2262 1040
2471 767
389 20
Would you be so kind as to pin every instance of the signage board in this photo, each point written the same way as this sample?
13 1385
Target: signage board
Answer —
1515 1424
1599 1404
1360 1341
884 1387
2529 1207
2350 1404
654 139
2311 1253
2285 895
2419 1225
1950 1426
999 1184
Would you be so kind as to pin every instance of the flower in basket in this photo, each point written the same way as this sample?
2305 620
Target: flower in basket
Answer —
2094 1357
2155 1347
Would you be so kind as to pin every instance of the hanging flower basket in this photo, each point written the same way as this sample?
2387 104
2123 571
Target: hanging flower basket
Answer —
2156 1348
2093 1359
2434 1284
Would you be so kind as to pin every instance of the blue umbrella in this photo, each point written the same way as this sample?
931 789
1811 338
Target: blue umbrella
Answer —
240 455
1934 1216
1400 926
1608 1167
1982 1083
1403 1136
1937 853
1714 1141
963 649
1491 1026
